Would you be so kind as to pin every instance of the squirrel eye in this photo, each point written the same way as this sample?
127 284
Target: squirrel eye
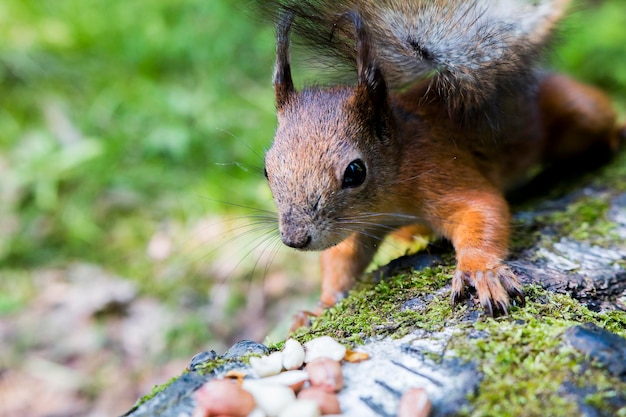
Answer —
354 174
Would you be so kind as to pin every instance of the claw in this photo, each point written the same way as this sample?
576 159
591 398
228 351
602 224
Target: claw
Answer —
518 297
503 308
487 306
458 287
496 288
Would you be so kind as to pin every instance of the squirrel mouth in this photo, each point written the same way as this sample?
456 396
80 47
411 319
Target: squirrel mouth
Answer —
310 241
297 242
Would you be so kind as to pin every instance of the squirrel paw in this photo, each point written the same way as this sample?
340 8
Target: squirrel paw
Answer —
303 317
495 288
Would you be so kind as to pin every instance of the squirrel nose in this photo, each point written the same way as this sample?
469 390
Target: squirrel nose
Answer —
297 241
293 231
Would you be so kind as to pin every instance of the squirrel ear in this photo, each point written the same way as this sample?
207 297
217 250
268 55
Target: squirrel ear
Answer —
371 90
370 75
283 84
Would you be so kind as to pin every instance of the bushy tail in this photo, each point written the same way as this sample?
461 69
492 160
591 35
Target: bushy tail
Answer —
473 50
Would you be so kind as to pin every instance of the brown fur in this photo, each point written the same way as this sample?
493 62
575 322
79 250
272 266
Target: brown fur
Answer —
424 167
472 51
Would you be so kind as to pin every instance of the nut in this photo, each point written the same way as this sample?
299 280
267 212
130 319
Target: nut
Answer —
271 398
267 365
326 401
326 374
324 347
224 397
293 355
414 403
301 408
293 379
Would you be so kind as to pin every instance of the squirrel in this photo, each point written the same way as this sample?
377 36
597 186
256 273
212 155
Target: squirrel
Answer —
449 112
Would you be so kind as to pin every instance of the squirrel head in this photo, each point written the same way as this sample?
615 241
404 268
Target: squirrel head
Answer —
333 149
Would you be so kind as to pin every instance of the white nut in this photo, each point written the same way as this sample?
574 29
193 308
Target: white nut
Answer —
257 412
324 347
293 354
293 379
267 365
271 398
301 408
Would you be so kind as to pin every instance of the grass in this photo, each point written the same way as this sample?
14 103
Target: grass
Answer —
121 119
120 116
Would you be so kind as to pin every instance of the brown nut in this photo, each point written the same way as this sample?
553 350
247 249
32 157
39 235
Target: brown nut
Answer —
414 403
353 356
224 397
327 401
326 374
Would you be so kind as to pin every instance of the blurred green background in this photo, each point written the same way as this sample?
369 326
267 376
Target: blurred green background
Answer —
115 116
122 121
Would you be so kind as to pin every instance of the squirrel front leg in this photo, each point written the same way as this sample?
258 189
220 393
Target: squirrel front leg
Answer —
477 223
343 263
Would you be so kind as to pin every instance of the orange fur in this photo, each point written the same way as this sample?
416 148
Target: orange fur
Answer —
413 161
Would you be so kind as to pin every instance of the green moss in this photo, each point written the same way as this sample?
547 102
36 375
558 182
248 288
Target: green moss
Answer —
614 174
526 363
601 400
374 309
524 234
524 360
155 390
210 366
584 219
220 363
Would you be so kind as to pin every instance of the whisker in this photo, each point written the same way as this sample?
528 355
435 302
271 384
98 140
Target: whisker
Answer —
377 238
414 177
256 243
244 166
275 246
201 248
228 203
232 135
268 241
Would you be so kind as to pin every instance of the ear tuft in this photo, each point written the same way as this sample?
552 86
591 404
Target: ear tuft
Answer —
370 75
371 90
283 83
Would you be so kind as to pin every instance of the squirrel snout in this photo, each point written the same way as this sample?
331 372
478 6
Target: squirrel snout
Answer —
295 234
298 241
